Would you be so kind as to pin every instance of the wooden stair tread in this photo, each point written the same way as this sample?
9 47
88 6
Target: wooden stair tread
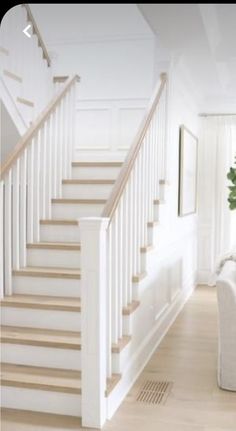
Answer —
41 337
122 343
164 182
88 181
153 223
39 419
78 201
37 271
130 308
59 222
147 248
139 277
54 245
42 302
96 164
39 378
159 201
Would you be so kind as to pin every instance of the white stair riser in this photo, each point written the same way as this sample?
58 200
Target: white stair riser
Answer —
120 360
41 401
53 258
96 173
127 324
143 262
46 319
156 212
60 233
41 356
136 291
162 191
75 211
47 286
151 234
86 191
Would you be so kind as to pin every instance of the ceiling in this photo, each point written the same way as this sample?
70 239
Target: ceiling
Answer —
204 36
61 23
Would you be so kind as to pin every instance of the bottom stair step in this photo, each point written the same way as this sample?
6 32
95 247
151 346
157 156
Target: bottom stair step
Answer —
38 420
46 379
42 390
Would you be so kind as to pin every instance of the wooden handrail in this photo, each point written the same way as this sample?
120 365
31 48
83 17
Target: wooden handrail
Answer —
128 164
29 134
41 43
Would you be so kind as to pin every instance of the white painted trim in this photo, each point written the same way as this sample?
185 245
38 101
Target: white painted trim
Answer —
112 99
100 39
145 351
93 320
92 148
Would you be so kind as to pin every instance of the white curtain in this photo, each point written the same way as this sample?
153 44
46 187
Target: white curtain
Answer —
219 138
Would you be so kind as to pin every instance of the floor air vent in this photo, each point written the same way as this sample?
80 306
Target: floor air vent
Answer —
154 392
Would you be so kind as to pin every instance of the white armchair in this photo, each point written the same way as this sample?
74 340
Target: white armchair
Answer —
226 295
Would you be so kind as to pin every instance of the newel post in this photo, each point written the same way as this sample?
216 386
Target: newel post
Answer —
93 318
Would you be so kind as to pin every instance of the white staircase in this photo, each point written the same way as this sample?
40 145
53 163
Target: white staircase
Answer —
75 248
41 320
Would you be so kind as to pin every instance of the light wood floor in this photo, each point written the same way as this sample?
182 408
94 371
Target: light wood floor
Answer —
187 357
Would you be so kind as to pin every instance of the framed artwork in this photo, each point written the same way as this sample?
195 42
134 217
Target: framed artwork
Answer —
188 149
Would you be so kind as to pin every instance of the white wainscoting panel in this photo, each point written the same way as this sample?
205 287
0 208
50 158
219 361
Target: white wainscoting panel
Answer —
108 125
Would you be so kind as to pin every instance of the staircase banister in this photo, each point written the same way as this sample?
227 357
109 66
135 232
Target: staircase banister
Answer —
128 164
33 129
37 32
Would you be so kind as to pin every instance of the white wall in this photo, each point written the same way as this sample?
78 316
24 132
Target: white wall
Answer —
183 109
25 76
116 83
9 134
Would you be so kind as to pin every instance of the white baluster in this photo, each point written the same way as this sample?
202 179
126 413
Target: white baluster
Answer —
113 229
147 184
139 213
63 147
36 194
152 171
8 234
16 215
49 169
70 132
43 143
166 96
73 125
54 132
30 192
130 235
23 197
124 248
65 136
143 180
1 240
109 303
119 245
59 150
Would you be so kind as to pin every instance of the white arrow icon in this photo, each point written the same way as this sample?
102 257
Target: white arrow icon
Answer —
25 31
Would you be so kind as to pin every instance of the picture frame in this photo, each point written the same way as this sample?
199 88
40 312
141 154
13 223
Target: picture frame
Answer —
188 155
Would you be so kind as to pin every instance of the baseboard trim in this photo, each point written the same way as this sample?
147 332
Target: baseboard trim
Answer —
146 350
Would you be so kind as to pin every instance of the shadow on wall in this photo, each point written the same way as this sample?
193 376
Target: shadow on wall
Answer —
9 134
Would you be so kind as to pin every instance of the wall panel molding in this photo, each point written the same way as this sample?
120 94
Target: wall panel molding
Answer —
108 124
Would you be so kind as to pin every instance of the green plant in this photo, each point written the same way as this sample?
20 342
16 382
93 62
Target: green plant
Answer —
231 175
